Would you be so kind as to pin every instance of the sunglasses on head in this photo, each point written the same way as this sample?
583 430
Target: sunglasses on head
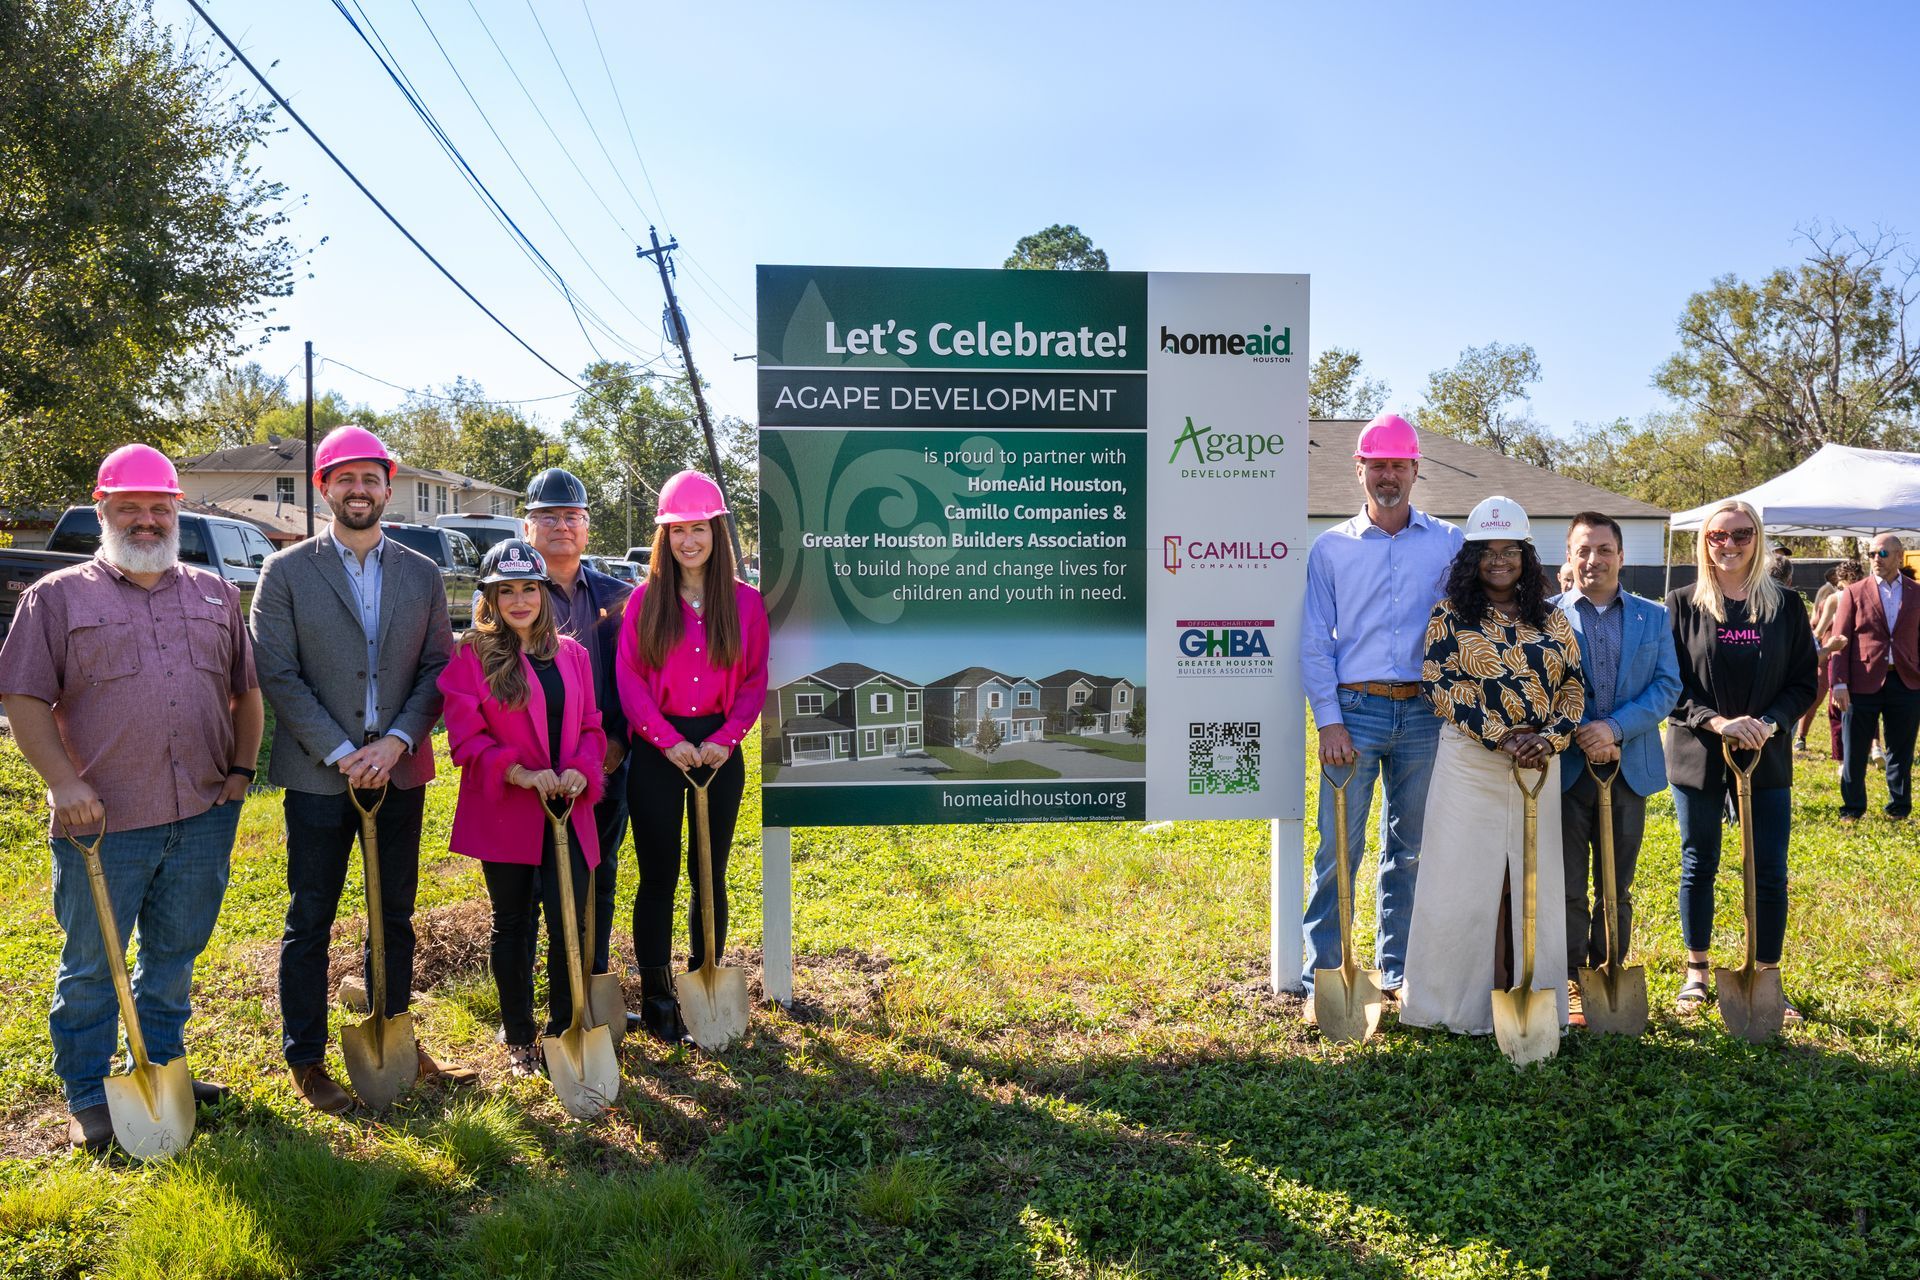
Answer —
1721 537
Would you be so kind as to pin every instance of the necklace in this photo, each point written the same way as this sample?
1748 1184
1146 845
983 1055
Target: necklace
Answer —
693 598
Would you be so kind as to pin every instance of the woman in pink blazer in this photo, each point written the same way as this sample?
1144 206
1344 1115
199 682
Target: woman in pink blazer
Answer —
524 729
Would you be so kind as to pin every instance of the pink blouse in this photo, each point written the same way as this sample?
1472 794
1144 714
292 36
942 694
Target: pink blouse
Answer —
688 685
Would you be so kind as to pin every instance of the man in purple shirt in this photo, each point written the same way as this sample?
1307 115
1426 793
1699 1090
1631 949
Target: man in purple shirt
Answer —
1371 584
130 686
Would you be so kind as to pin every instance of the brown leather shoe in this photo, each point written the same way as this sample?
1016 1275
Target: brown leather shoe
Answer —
318 1090
1576 1007
451 1073
91 1128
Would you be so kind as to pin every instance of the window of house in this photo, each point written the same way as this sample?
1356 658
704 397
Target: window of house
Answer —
1025 699
873 743
913 735
993 700
1119 697
283 488
422 499
496 505
440 499
1079 696
809 704
913 702
812 742
882 704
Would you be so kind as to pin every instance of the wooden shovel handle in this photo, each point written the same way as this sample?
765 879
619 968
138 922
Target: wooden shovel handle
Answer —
1743 793
376 921
1342 867
110 935
1529 867
703 843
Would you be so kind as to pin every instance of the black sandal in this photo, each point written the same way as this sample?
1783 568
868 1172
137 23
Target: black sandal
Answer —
1693 992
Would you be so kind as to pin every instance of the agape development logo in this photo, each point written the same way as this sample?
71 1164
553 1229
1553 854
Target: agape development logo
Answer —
1197 449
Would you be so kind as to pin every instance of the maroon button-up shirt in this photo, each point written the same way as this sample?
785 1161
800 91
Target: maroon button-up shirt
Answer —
140 681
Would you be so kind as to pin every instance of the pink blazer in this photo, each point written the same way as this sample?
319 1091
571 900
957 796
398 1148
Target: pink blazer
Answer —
494 820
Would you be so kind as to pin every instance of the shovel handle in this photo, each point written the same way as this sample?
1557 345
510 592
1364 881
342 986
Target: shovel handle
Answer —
1529 868
703 844
1609 895
1743 793
563 870
1342 867
110 935
376 921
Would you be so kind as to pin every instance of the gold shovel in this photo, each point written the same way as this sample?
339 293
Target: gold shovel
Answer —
713 998
1346 1001
1527 1022
1751 1002
580 1060
381 1053
1615 994
151 1107
605 1001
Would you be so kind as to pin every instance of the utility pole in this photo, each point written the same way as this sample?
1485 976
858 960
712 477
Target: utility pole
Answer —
678 324
309 467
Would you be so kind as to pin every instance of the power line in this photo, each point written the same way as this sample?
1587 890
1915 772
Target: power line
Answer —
624 118
355 179
429 395
574 94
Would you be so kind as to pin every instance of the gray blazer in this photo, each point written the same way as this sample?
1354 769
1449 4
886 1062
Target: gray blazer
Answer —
309 650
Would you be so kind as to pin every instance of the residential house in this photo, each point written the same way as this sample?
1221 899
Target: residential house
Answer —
1108 700
270 479
957 703
845 712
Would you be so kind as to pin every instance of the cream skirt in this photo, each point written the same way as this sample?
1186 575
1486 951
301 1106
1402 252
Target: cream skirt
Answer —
1475 817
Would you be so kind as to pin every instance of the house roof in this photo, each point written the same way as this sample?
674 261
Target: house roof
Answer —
1073 675
279 519
1454 477
969 677
291 455
851 675
814 724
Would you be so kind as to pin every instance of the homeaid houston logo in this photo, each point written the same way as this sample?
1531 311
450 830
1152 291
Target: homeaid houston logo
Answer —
1264 347
1223 647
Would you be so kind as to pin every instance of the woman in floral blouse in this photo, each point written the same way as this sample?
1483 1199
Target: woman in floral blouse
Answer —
1503 672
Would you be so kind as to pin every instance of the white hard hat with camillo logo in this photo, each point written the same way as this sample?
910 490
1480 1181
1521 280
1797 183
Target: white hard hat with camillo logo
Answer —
1497 518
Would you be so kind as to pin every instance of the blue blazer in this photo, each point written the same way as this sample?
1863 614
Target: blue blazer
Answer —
1644 691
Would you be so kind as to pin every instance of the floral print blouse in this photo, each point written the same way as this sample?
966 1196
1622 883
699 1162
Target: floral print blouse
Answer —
1492 680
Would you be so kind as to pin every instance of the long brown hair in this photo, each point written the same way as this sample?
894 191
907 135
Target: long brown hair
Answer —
498 646
659 624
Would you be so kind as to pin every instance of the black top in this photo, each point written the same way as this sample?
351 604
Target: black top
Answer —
1738 668
555 690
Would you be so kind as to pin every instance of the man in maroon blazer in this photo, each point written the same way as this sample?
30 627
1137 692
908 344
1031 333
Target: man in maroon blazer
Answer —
1877 677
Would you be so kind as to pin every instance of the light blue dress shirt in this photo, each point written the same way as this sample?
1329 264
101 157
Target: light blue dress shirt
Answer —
365 577
1369 595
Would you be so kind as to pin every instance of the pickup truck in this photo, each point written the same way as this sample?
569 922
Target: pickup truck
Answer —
231 548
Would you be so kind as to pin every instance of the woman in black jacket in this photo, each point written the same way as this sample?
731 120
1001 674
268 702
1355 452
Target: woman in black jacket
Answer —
1747 673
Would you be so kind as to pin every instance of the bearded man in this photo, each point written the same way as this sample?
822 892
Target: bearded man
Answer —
130 686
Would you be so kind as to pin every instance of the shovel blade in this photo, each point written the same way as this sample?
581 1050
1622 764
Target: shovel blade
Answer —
152 1110
1347 1009
1527 1024
382 1058
583 1069
1751 1001
714 1005
607 1005
1615 999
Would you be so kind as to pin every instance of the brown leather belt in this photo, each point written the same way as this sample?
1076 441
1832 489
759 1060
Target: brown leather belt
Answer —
1398 690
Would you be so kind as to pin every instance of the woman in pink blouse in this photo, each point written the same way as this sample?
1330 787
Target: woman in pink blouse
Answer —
692 673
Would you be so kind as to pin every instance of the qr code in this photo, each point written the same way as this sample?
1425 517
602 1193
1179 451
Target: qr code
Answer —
1223 757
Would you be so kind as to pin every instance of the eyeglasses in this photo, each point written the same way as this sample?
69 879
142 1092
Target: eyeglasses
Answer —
1513 554
555 522
1721 537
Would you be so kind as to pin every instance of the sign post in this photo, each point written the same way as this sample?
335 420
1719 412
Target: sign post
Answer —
1033 549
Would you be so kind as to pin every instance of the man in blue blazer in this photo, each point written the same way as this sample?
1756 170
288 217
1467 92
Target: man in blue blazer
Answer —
1632 675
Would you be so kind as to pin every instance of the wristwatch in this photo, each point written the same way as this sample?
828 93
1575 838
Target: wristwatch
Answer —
1772 728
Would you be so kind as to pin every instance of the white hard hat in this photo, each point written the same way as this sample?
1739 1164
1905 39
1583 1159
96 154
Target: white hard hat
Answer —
1496 518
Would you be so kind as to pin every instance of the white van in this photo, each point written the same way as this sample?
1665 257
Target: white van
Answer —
485 530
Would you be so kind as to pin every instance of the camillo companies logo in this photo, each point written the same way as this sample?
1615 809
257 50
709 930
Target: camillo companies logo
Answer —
1266 346
1223 647
1180 552
1495 520
1202 453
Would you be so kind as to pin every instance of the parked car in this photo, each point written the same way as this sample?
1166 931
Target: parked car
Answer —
640 556
484 530
454 552
234 549
625 570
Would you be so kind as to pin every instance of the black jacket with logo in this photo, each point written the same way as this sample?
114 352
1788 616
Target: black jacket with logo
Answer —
1785 682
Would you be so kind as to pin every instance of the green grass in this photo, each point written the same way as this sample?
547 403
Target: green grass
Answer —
1128 750
965 765
1019 1051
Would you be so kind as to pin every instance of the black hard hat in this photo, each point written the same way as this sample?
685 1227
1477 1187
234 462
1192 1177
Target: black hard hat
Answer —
514 560
556 487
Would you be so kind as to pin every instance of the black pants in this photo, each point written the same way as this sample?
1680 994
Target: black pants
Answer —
658 798
512 887
1899 706
610 825
1580 858
321 834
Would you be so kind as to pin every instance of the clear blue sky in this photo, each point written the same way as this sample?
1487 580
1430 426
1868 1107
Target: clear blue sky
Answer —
1449 175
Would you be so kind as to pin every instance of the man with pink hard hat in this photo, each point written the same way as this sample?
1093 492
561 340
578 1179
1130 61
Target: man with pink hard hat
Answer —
129 682
351 633
1371 583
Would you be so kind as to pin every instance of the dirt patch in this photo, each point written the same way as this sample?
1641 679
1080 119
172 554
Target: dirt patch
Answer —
843 983
39 1130
449 942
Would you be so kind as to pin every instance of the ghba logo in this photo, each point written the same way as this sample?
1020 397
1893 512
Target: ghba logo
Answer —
1223 647
1265 345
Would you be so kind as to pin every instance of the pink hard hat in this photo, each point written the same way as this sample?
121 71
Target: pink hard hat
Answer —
687 497
137 468
1388 436
349 444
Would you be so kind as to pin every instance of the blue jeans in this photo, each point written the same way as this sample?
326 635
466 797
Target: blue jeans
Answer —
1396 741
167 881
1698 811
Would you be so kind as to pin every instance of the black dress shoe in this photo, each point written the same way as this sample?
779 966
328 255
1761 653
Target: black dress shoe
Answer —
91 1128
210 1093
635 1023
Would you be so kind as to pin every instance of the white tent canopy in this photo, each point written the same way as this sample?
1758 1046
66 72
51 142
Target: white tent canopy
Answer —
1837 492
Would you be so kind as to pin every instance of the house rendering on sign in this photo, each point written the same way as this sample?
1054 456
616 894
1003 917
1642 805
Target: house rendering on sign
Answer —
845 712
957 703
1104 702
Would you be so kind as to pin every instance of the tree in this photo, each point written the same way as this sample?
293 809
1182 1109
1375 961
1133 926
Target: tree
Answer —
1137 721
1471 402
1082 716
1826 352
1058 248
1672 460
229 407
136 241
986 737
1335 388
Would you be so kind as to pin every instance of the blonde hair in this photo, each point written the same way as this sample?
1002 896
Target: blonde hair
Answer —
1763 593
498 646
